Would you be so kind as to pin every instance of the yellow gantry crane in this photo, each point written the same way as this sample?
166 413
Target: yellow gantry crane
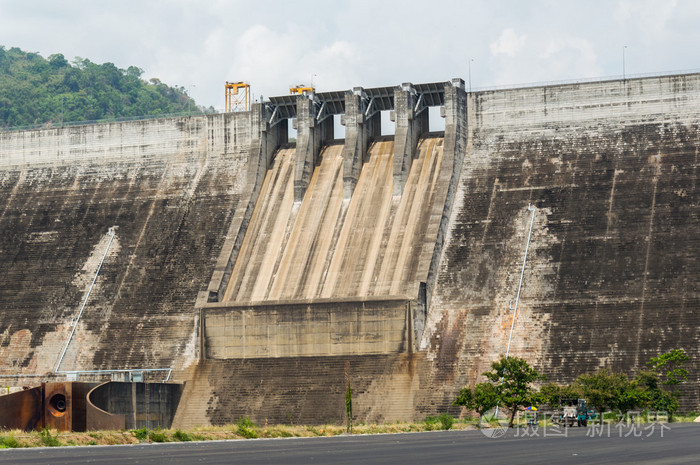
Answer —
301 89
237 96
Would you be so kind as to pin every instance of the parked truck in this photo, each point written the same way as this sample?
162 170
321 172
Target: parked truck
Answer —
575 411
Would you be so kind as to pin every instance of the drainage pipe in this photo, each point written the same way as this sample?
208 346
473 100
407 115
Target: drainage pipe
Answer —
520 285
75 323
522 273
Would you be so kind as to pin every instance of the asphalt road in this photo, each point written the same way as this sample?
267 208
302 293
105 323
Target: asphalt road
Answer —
679 445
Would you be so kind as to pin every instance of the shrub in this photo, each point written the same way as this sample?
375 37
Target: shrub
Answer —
47 439
140 434
157 436
181 436
9 442
446 420
431 423
246 428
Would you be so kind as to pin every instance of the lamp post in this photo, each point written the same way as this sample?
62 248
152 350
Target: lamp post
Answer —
623 62
469 64
189 99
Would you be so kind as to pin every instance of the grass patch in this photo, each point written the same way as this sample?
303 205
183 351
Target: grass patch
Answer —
9 442
443 421
48 439
158 435
140 434
246 428
181 436
446 421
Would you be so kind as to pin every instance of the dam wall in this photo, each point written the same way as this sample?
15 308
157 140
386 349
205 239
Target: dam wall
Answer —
167 189
611 169
269 274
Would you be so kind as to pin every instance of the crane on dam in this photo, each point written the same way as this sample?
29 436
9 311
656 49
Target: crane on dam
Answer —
236 96
301 89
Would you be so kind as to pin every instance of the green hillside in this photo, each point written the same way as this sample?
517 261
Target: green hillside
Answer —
35 90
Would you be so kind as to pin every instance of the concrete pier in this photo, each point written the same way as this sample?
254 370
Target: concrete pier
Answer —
313 130
411 117
362 125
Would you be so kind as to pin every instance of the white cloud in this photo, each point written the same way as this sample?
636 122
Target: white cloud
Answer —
273 60
570 57
650 17
545 58
508 43
200 45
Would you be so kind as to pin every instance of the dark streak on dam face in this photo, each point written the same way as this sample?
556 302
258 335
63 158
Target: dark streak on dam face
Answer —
611 277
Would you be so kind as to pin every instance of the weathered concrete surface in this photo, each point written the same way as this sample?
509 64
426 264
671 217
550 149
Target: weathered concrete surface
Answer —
306 390
611 277
411 124
169 188
375 244
360 130
301 328
264 142
312 134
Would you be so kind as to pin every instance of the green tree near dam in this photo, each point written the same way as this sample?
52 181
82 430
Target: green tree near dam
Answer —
510 386
35 90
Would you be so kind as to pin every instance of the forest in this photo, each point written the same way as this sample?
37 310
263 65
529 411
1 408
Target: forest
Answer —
52 91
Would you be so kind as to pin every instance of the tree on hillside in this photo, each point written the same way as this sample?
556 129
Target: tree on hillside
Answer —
35 90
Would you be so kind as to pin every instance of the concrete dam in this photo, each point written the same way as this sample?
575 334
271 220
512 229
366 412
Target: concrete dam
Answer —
266 274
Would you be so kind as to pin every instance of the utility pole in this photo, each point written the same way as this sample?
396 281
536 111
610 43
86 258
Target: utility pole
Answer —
623 62
469 64
189 99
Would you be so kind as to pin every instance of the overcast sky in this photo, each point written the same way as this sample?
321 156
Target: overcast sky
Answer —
340 45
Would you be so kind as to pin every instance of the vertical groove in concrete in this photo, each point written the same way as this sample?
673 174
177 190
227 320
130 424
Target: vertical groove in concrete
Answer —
274 197
310 240
374 244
